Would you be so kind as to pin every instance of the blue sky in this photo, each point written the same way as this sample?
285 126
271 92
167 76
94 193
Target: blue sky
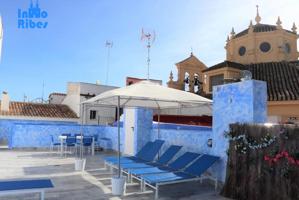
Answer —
72 47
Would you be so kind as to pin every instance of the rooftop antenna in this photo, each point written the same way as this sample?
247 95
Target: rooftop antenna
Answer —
108 45
43 92
25 97
150 38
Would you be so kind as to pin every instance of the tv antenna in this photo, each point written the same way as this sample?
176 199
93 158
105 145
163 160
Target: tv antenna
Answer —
108 45
150 38
43 90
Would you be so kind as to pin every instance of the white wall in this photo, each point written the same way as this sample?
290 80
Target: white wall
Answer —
105 115
56 98
195 111
76 92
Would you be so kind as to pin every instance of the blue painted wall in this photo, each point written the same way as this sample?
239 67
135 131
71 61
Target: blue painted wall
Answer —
238 102
192 138
27 133
143 127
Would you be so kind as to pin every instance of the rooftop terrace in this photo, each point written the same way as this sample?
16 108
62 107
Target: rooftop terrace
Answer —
93 184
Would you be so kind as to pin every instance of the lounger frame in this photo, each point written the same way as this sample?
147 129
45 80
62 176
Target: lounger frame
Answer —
157 185
25 191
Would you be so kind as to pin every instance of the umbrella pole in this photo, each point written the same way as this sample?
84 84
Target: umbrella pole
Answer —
118 133
81 132
159 130
159 123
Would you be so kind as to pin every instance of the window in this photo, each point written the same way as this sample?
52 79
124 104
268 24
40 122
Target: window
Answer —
265 47
287 48
93 114
242 51
216 80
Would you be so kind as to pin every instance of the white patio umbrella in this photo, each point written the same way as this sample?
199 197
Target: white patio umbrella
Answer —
147 94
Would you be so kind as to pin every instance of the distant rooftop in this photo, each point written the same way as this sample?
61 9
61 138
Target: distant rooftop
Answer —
57 93
282 77
27 109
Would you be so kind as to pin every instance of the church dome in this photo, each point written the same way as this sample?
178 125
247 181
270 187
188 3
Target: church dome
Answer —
262 43
258 28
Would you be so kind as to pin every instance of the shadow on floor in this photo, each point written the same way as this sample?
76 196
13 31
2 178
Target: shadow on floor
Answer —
49 169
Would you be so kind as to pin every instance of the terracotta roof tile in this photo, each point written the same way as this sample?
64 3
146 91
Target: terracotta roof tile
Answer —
282 77
39 110
58 94
226 64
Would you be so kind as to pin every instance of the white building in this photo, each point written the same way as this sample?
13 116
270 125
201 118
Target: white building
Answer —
78 92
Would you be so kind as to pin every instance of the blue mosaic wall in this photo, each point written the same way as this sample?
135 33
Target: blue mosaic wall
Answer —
27 133
143 127
238 102
192 138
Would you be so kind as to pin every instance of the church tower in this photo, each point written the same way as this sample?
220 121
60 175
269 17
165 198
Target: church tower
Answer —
190 75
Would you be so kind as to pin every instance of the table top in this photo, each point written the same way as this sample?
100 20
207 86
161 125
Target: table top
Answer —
77 137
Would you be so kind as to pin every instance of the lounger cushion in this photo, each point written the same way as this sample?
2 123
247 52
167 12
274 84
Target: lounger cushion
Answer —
134 165
196 169
163 160
180 163
143 150
124 160
166 177
150 170
201 164
25 184
147 156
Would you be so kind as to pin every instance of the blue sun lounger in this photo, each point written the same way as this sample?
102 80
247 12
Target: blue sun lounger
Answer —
25 186
142 151
163 160
148 155
193 172
180 163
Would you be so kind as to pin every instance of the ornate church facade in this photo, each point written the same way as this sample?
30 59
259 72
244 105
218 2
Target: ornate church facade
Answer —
268 52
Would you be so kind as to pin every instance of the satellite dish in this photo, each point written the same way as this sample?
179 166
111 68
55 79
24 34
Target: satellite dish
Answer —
246 75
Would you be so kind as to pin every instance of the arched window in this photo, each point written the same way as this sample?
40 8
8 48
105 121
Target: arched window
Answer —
186 81
197 84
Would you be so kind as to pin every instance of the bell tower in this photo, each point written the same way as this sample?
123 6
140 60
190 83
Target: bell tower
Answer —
190 75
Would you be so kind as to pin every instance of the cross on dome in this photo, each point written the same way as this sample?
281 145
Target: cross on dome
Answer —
257 18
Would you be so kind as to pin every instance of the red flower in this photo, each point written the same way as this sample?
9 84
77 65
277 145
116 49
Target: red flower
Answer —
279 156
275 160
266 158
285 153
291 160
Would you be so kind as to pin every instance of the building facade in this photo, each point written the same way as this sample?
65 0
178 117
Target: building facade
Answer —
262 52
77 92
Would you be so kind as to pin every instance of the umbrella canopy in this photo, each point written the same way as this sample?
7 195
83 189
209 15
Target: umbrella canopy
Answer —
147 94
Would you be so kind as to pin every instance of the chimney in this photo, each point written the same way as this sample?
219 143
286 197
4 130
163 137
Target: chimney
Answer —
5 102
